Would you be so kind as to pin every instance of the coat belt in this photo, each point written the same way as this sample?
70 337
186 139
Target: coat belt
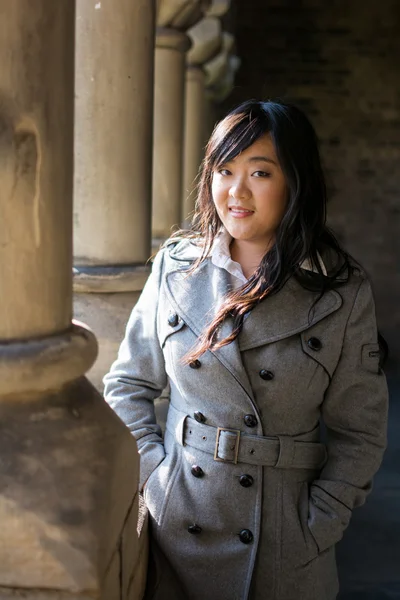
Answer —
233 446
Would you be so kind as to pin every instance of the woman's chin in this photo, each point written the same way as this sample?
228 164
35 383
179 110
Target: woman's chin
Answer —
238 233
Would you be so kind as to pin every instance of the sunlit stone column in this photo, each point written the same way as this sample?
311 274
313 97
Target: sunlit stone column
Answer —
206 38
174 17
113 178
113 165
194 138
169 106
68 468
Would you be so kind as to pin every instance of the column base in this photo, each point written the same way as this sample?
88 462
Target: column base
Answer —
43 364
110 279
68 499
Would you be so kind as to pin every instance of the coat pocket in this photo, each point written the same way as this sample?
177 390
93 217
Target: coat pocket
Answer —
160 483
298 544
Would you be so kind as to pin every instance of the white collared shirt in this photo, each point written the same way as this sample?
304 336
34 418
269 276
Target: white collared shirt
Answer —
221 257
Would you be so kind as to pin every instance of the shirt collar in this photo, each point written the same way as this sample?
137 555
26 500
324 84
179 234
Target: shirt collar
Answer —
221 257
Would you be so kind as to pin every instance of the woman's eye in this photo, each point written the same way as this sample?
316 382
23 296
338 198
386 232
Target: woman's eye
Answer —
224 172
261 174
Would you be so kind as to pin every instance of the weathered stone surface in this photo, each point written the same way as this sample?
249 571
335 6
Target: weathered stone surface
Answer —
122 278
68 480
68 466
36 115
43 364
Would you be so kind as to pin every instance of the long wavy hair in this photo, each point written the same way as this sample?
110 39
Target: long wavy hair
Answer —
302 233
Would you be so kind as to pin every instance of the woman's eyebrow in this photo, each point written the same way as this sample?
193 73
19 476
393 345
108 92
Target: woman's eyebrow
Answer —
262 159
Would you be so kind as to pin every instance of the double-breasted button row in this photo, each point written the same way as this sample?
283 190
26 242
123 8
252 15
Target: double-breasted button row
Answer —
195 528
197 471
195 364
173 320
246 480
250 420
265 374
200 418
245 536
314 343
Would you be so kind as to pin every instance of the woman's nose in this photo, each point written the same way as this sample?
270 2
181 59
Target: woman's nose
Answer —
239 189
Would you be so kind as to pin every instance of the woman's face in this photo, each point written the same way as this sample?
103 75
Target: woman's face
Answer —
250 193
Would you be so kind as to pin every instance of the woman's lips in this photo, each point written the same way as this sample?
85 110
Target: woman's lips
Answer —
240 213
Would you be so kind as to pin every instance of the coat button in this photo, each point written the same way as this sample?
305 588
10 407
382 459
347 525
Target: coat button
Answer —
246 536
197 471
173 320
314 343
195 364
194 528
250 421
267 375
246 480
200 418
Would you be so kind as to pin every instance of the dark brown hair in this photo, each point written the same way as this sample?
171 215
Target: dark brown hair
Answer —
302 232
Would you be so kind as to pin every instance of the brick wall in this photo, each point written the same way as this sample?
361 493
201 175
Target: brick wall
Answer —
340 62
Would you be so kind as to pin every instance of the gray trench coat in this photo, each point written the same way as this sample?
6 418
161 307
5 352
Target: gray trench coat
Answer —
245 501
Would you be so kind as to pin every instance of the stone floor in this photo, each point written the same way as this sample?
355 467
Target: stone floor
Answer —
369 555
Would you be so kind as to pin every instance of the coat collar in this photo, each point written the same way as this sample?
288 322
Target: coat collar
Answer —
220 254
197 297
221 257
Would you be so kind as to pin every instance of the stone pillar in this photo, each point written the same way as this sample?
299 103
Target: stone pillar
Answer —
113 122
113 177
174 17
68 469
194 138
206 38
169 107
113 166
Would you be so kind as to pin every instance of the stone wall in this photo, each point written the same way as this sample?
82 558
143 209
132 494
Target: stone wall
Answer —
339 61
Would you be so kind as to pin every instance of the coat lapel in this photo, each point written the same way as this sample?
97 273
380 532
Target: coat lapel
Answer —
287 313
197 297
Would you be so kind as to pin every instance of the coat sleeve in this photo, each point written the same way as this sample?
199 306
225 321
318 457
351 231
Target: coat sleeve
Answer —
138 375
355 415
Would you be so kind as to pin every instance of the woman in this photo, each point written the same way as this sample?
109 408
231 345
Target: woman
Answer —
261 325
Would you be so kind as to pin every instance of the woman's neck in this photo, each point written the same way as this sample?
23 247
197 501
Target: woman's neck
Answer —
248 254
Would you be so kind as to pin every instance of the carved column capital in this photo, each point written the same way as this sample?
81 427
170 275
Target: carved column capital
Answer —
206 38
221 69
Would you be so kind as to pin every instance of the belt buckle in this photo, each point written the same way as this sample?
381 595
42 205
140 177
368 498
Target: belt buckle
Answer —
237 433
